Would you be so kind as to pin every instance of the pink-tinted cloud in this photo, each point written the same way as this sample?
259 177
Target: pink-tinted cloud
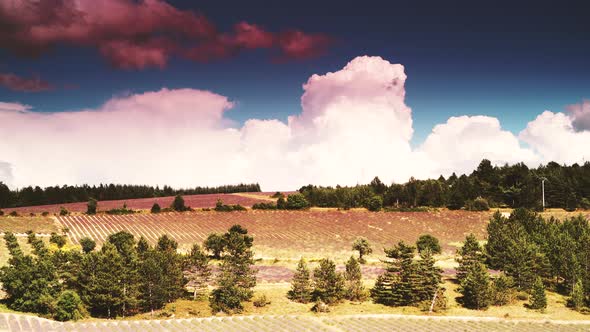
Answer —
138 34
17 83
580 115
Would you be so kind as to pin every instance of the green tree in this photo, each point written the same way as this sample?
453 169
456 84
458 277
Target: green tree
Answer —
301 286
395 286
91 206
538 300
374 204
281 203
215 244
178 204
427 241
475 287
237 277
198 271
328 285
58 240
124 242
576 300
430 277
69 306
354 289
469 254
363 246
87 244
156 208
63 211
296 202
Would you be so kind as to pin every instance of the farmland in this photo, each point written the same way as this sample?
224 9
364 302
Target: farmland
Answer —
194 201
288 234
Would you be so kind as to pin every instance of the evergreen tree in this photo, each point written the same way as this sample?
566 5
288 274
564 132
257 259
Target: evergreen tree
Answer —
394 287
58 240
475 287
198 271
538 300
469 254
301 286
215 244
69 306
237 277
431 277
87 244
91 206
363 246
178 204
156 208
576 300
124 242
328 285
355 291
427 241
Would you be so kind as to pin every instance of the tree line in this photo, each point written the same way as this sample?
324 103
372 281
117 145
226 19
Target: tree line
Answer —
486 187
29 196
124 277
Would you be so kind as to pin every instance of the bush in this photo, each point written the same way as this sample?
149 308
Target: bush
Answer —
296 202
69 307
121 211
91 206
63 211
178 204
281 203
156 208
261 301
1 213
502 291
264 206
374 203
220 207
427 241
320 306
478 204
58 240
87 244
44 213
13 214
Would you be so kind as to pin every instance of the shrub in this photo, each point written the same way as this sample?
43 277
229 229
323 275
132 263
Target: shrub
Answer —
264 206
281 203
13 214
31 214
91 206
58 240
87 244
178 204
478 204
220 207
320 306
296 202
121 211
427 241
156 208
44 213
502 291
63 211
261 301
1 213
374 203
69 307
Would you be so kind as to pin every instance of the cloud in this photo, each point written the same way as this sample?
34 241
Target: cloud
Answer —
554 137
462 142
139 34
580 115
354 124
17 83
6 173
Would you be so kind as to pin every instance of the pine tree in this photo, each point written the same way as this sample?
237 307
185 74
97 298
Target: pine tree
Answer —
301 286
395 286
125 244
576 300
475 287
198 271
355 291
538 299
328 285
469 254
91 206
431 276
237 277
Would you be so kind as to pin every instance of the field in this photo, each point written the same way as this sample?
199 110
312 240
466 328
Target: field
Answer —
194 201
289 234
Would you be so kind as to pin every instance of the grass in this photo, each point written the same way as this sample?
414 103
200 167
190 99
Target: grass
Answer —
22 224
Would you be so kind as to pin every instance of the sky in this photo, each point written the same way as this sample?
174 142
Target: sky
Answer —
254 78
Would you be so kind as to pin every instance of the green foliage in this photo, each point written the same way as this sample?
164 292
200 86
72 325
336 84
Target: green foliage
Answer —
296 202
354 289
478 204
236 277
363 246
475 287
427 241
278 195
63 211
215 244
261 301
502 291
220 207
328 285
374 203
156 208
91 206
121 211
13 214
468 255
281 203
58 240
69 306
178 204
538 300
301 286
197 271
577 298
87 244
264 206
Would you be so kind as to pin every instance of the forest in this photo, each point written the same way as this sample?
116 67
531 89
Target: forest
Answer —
488 186
30 196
